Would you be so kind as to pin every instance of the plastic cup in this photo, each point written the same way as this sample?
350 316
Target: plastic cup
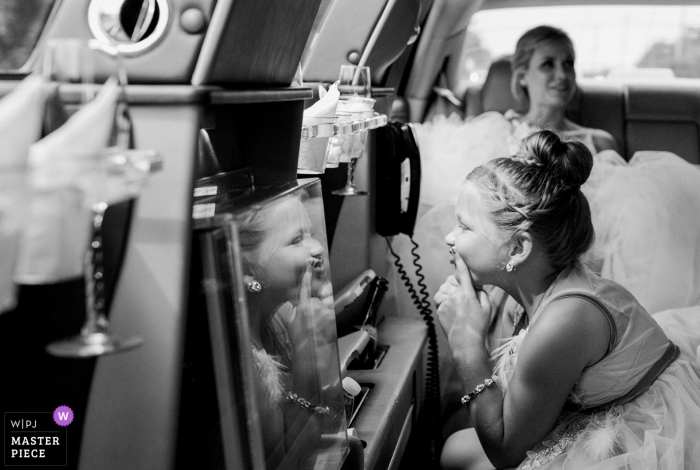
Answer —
347 142
359 108
335 150
313 150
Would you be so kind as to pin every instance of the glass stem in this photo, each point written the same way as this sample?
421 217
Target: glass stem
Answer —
96 321
350 183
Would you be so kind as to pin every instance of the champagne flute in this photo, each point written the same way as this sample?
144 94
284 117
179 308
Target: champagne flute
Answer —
354 144
117 176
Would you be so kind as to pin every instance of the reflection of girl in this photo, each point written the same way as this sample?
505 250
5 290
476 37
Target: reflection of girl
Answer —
591 381
284 273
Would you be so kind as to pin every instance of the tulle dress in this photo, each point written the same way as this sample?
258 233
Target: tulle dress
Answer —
656 430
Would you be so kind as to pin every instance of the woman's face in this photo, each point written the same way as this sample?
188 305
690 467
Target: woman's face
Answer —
473 238
287 252
550 78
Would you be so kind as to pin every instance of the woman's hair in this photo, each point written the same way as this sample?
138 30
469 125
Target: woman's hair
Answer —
525 48
538 190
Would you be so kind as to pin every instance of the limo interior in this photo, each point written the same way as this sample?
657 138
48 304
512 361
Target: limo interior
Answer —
416 52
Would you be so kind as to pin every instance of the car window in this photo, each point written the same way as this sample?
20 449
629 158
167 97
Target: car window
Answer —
611 41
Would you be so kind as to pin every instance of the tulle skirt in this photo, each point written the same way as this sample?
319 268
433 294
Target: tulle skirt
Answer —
647 229
657 430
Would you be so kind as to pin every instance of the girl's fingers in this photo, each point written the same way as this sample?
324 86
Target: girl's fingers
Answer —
464 277
305 288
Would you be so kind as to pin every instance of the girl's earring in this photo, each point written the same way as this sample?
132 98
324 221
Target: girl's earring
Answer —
253 286
510 267
522 83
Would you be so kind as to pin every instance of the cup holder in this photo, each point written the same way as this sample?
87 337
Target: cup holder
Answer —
371 358
360 399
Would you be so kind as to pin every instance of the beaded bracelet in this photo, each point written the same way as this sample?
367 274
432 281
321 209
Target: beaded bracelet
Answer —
479 388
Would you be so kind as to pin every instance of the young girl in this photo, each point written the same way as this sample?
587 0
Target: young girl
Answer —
589 379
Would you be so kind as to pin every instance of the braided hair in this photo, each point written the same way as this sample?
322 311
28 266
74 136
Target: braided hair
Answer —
538 190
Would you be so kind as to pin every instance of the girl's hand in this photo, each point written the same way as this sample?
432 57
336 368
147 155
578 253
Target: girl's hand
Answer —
303 315
311 313
462 310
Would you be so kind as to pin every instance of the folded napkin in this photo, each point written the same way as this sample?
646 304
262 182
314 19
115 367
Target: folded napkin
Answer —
21 113
327 103
58 226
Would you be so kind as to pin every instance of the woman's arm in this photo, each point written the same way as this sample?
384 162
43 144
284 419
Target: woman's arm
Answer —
603 140
569 335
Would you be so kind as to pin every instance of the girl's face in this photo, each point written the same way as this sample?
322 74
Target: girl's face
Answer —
288 251
550 78
474 238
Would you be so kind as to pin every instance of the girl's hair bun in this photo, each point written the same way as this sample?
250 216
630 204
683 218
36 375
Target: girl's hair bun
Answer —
569 161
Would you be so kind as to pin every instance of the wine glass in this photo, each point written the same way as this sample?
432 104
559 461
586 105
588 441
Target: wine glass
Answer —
355 80
116 175
354 84
70 60
354 144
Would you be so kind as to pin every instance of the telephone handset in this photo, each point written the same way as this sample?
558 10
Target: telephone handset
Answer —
398 179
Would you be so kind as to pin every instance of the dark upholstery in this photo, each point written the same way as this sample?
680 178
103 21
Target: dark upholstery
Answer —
494 94
661 117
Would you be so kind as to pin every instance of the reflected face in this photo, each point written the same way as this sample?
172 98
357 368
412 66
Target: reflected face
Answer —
550 78
473 237
287 251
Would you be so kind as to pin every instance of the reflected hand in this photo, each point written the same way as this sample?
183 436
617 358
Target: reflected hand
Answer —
463 310
304 312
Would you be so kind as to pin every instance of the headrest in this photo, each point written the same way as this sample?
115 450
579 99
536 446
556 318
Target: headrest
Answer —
495 92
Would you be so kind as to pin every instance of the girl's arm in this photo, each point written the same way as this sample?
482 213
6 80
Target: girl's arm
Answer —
568 336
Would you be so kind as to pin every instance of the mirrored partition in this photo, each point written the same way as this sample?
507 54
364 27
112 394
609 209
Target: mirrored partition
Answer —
266 285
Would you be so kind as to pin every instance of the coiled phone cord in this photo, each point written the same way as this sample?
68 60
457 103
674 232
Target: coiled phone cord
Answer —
421 299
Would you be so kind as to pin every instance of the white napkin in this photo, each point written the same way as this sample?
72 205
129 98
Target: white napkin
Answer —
56 234
21 113
327 103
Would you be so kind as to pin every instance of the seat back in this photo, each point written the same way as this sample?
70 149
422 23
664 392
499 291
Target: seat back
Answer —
494 94
659 117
